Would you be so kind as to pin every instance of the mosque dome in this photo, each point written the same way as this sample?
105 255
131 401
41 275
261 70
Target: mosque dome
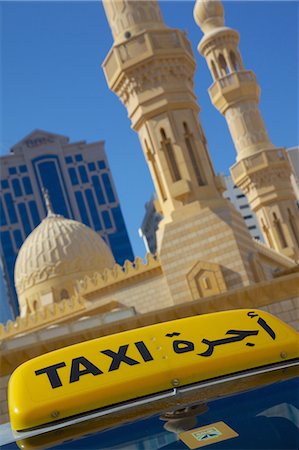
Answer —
209 14
53 257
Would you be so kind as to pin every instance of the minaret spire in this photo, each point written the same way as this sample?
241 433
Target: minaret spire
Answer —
48 202
262 170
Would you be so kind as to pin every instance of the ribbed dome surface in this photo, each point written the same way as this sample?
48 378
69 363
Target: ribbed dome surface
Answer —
60 246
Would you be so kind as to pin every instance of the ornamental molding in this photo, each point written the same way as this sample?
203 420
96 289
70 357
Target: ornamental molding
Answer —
154 75
55 270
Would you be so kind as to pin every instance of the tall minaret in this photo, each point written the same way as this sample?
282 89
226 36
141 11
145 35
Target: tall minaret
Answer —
151 67
262 171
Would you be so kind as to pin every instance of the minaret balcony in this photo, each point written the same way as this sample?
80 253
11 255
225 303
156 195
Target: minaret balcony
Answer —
275 159
233 88
140 48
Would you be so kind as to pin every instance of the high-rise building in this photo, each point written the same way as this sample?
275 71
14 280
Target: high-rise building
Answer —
80 186
149 226
239 200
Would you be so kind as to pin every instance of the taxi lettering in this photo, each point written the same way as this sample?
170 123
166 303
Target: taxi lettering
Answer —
82 366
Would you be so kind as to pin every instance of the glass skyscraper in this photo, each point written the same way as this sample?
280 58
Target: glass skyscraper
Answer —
80 187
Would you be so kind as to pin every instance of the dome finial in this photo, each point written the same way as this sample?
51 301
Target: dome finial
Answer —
47 202
209 14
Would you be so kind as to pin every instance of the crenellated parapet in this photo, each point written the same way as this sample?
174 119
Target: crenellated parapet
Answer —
51 314
118 274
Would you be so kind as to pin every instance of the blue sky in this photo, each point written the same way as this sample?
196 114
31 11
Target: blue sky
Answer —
51 79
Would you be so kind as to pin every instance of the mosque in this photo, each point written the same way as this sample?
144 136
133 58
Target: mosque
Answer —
69 287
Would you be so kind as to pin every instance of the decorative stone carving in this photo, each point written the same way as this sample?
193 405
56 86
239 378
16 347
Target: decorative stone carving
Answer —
205 279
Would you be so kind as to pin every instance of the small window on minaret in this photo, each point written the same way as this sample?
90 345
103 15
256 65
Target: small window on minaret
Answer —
279 231
64 294
293 226
152 160
234 61
222 64
193 156
214 70
170 156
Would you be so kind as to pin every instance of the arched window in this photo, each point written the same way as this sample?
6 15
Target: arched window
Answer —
34 305
170 156
64 294
153 162
293 226
214 70
222 63
279 231
193 155
234 61
267 233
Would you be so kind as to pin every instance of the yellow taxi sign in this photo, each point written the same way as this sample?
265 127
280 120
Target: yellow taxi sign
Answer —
136 363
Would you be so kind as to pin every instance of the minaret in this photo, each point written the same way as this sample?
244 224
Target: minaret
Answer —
262 171
151 67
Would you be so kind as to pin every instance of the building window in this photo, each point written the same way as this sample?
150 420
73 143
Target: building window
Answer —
78 157
82 208
50 177
3 220
234 61
93 210
170 156
27 185
153 162
222 64
101 164
293 226
92 166
68 159
8 253
10 208
214 70
12 170
83 174
193 155
98 190
108 188
267 233
23 169
34 213
279 231
16 187
64 294
24 218
106 219
18 238
4 184
73 176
